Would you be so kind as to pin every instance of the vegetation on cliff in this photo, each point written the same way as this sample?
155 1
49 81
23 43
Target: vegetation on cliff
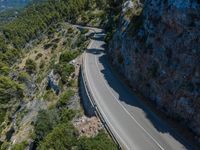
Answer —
38 81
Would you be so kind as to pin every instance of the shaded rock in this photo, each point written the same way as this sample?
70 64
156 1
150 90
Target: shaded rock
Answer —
53 82
160 49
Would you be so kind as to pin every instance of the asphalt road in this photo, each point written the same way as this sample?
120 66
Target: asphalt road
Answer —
133 124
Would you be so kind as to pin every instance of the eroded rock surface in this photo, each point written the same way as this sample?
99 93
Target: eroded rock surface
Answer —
159 52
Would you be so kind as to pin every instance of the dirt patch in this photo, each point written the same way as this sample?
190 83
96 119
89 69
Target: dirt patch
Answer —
88 127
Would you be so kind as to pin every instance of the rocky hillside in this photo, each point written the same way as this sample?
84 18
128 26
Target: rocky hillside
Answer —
157 48
40 103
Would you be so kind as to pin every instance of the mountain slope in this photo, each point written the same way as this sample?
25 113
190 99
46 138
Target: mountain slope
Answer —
39 69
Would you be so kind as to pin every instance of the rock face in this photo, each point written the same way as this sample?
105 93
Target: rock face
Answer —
159 52
53 82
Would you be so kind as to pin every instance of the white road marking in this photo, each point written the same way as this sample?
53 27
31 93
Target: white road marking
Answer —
128 111
122 141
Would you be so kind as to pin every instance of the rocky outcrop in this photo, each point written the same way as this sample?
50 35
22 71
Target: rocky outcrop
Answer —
159 52
53 82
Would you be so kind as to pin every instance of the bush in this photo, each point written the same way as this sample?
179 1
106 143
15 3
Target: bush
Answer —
2 116
54 46
23 76
9 90
20 146
47 46
4 146
70 30
100 142
30 66
57 40
10 56
67 115
64 136
4 69
64 70
42 64
68 56
39 55
72 83
65 97
46 121
84 31
80 42
85 18
2 43
109 36
49 95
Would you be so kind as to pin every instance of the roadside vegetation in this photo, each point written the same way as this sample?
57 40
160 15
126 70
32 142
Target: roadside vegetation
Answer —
34 107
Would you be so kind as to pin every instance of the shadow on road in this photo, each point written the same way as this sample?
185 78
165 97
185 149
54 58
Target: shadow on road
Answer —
128 97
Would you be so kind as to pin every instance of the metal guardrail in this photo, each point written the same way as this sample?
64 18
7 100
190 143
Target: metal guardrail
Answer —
97 111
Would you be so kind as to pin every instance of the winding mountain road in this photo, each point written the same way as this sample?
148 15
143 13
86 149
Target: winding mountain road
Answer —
132 123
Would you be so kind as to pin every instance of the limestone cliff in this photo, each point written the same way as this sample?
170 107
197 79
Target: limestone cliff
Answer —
158 50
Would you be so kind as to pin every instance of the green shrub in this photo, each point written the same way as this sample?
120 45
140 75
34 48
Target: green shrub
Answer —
47 46
49 95
2 43
72 83
4 69
10 56
84 31
70 30
100 142
64 136
68 56
39 55
65 70
64 99
2 115
67 115
23 76
4 146
30 66
9 90
80 43
54 46
1 143
109 36
46 121
42 64
85 18
20 146
57 40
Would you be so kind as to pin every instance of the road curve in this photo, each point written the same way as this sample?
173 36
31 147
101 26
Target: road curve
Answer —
132 123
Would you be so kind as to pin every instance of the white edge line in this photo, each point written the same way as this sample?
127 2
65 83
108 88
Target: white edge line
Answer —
129 112
100 107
